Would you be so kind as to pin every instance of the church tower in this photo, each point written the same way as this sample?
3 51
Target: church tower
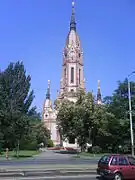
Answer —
99 99
49 117
72 66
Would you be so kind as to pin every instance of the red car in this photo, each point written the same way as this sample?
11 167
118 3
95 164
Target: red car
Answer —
117 167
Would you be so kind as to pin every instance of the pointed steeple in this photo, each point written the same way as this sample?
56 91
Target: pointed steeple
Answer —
99 99
48 91
72 22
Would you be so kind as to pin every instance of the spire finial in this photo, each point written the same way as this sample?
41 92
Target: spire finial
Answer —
48 90
72 22
98 84
48 83
73 3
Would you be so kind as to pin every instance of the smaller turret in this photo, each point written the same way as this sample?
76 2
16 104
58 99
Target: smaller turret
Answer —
49 116
47 103
99 98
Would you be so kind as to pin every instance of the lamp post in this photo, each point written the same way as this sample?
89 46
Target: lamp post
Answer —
130 113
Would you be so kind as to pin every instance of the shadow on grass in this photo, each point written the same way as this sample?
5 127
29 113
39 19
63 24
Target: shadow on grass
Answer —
22 156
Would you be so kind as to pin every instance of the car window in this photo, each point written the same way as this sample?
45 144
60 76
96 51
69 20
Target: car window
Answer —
114 161
123 161
131 161
104 160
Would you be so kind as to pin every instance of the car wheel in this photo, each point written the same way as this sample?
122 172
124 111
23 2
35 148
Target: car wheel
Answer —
118 176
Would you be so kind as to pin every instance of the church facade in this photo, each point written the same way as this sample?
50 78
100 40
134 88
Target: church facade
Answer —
71 82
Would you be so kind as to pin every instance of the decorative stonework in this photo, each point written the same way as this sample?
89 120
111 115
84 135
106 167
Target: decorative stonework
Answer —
72 68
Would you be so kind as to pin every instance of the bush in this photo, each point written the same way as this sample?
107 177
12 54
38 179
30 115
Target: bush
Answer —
28 145
50 143
96 150
125 149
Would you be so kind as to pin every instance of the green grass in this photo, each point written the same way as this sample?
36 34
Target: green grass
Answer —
22 154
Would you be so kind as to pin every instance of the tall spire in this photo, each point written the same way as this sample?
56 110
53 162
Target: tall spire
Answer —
48 91
99 100
72 22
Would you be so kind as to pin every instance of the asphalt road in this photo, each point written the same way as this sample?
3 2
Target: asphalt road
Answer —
44 161
80 177
49 158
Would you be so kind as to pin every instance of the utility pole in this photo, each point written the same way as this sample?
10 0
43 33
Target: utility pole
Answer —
130 114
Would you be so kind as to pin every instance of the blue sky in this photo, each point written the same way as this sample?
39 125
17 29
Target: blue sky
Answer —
35 31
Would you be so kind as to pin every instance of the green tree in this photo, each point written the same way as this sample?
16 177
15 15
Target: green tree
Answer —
117 104
36 135
42 133
15 102
65 119
76 119
107 129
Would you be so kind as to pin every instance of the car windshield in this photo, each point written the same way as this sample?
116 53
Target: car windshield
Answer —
104 160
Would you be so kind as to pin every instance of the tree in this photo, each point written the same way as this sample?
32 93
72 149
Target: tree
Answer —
118 102
42 133
65 119
78 117
118 105
108 131
37 134
105 125
15 102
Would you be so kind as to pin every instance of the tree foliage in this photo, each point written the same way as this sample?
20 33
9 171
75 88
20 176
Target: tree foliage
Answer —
105 125
15 103
76 119
37 134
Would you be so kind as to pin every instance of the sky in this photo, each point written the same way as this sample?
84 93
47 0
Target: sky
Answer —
34 31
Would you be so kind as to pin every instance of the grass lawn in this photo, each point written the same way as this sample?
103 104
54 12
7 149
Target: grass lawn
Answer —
22 154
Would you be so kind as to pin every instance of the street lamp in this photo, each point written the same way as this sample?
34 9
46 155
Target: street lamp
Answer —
130 113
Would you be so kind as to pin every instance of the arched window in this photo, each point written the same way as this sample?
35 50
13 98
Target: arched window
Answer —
79 76
65 72
72 75
65 75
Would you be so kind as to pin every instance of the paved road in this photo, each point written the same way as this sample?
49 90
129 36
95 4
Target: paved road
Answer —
49 158
80 177
48 162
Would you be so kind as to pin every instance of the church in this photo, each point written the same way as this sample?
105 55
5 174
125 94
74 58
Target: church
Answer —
71 81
